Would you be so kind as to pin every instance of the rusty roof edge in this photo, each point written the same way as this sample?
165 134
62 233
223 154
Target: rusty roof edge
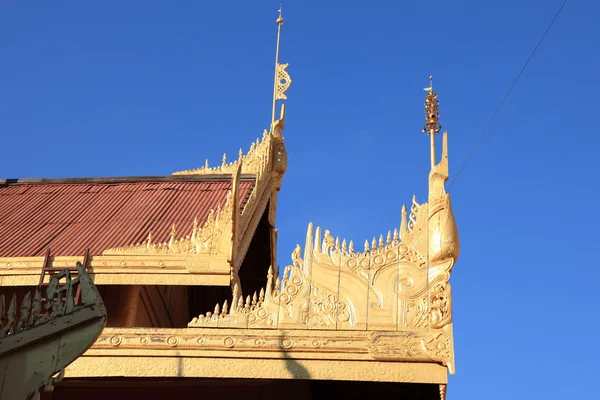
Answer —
125 179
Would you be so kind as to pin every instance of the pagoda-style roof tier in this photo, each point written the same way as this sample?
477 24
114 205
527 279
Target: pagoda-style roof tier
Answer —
69 215
191 228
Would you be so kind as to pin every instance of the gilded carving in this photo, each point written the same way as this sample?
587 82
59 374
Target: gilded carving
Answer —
251 162
399 282
283 81
440 304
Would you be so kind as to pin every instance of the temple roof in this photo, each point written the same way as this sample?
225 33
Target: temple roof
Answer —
69 215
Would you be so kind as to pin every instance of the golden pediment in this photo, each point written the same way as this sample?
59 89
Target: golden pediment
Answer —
399 283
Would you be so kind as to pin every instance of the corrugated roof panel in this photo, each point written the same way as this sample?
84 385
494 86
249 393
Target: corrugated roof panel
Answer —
72 216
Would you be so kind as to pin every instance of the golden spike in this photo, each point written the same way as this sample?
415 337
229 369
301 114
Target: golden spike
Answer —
317 246
285 271
373 245
380 242
194 238
270 281
217 310
149 240
240 304
224 160
351 247
206 164
261 295
247 305
388 240
172 237
403 223
236 293
366 246
225 307
344 247
337 243
254 299
279 23
270 274
277 283
395 235
240 155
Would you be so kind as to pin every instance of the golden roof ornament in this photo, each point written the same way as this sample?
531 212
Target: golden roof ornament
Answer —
282 78
432 117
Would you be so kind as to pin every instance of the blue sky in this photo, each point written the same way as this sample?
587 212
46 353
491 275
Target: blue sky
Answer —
148 88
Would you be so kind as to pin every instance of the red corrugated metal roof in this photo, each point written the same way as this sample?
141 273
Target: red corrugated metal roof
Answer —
68 217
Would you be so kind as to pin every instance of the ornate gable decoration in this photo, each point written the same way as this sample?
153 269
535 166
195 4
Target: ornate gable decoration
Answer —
223 234
251 162
398 283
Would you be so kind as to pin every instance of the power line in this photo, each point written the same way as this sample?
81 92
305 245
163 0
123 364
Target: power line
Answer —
506 95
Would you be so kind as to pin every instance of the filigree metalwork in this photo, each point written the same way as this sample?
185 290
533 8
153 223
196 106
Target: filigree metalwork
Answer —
283 81
432 112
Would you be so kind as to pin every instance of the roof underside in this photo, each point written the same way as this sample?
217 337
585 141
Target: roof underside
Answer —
70 215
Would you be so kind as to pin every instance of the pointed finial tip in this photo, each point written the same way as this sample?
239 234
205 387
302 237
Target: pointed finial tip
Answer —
280 18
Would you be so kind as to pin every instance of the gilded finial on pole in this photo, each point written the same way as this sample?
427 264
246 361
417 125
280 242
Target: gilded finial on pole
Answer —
282 78
280 19
432 117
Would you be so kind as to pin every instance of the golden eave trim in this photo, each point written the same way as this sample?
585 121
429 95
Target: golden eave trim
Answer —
124 270
183 366
296 344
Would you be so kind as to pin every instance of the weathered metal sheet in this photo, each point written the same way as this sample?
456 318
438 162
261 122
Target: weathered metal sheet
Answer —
68 217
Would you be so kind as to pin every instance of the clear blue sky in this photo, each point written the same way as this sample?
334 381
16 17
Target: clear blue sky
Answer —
148 88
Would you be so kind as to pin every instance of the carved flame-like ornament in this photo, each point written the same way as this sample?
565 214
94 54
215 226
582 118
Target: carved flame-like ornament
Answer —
398 284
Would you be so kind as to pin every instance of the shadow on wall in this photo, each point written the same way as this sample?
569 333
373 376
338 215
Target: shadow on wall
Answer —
297 370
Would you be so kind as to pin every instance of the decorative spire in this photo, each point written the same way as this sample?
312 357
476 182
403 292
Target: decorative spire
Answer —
282 78
432 117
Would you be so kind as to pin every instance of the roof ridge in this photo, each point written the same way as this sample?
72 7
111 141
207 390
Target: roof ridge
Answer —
124 179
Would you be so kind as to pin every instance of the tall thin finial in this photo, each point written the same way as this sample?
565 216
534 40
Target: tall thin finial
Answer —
430 88
282 79
432 117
